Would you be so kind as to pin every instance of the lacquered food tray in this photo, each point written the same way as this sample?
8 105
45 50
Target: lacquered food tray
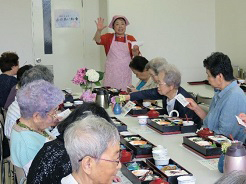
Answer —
170 128
170 175
137 179
142 148
119 124
138 110
205 147
141 110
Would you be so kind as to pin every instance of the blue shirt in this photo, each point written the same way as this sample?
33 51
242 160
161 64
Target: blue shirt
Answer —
226 104
24 146
141 84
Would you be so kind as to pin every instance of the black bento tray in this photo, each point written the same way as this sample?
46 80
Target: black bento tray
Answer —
136 112
138 152
175 129
145 110
202 150
170 179
122 127
134 179
159 109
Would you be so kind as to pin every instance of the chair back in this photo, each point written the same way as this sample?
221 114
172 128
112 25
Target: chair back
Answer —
202 99
20 175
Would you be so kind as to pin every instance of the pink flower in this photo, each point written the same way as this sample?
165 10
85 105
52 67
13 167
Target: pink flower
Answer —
79 77
113 100
87 96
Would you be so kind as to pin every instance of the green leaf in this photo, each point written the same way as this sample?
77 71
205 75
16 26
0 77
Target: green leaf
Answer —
83 86
97 83
101 75
117 100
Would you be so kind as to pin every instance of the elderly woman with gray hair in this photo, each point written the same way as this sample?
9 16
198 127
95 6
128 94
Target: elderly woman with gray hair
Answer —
93 145
38 72
155 66
168 80
38 102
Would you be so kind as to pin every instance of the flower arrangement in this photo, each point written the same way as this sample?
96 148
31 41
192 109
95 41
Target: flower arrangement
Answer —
85 78
224 146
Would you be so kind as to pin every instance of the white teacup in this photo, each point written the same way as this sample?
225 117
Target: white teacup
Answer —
186 180
188 123
68 104
146 104
78 102
159 153
142 120
164 161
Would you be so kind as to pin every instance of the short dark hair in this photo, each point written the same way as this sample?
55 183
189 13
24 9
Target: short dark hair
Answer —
79 113
21 71
219 63
8 60
138 63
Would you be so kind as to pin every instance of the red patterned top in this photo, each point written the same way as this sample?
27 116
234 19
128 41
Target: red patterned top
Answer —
107 38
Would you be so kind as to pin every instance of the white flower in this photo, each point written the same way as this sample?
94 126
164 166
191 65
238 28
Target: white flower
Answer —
93 75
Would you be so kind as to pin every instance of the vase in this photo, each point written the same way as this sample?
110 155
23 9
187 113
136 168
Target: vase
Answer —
221 163
117 109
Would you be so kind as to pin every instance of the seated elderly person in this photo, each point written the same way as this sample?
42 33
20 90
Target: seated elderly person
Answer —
12 93
137 66
228 101
38 103
93 146
38 72
155 66
9 65
169 79
52 162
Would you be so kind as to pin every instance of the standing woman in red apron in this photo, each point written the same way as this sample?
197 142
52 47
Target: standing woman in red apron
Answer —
118 51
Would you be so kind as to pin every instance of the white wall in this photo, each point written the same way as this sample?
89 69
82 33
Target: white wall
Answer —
15 29
231 30
70 51
181 31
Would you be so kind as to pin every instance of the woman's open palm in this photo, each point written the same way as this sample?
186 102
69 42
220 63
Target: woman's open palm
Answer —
99 23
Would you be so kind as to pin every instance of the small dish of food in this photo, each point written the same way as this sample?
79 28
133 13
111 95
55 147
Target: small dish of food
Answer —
137 143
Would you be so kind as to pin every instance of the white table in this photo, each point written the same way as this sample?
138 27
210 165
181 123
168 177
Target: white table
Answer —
202 89
177 152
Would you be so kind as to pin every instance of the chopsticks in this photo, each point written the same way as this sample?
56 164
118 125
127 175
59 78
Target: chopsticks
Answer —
144 176
186 117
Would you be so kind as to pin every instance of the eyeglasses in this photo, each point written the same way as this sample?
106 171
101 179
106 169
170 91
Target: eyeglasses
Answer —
116 161
161 83
54 114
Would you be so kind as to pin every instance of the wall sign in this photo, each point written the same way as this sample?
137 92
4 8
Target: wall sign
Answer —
67 18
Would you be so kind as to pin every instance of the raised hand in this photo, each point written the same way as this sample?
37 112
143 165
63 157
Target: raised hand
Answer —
135 50
192 104
243 117
99 23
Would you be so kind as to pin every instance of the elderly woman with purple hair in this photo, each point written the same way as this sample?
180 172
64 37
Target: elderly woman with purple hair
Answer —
38 103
